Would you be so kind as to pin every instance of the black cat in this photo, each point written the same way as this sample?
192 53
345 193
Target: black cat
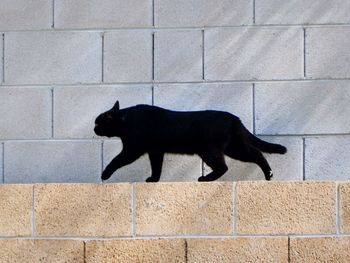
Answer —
210 134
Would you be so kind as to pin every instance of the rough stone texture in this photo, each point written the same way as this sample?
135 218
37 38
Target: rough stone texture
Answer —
93 210
145 251
103 14
286 208
52 161
76 108
16 202
184 209
53 57
302 107
253 53
23 14
238 250
327 53
301 12
128 56
175 167
178 55
327 158
284 167
320 249
185 13
232 97
344 191
25 113
29 251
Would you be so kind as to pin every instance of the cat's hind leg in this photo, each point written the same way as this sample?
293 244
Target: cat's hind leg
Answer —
216 161
156 160
247 153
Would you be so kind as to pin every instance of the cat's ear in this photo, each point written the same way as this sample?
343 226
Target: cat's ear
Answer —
116 106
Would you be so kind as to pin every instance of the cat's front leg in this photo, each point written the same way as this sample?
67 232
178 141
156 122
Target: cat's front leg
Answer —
122 159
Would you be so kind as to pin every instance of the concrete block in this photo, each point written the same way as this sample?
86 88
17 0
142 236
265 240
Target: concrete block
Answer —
327 53
252 249
25 15
128 56
92 210
16 202
301 12
319 249
130 251
253 53
327 158
53 57
52 161
199 13
302 107
175 168
184 209
103 14
76 108
344 208
22 250
1 163
1 57
284 167
281 208
178 55
25 113
232 97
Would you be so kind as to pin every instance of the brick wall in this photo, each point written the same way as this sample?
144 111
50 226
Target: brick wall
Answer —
283 67
176 222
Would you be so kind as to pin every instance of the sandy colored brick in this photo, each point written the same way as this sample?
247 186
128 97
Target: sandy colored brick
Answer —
16 202
184 209
136 251
238 250
32 251
286 208
320 249
96 210
344 191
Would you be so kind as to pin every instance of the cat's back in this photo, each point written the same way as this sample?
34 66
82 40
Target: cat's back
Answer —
153 117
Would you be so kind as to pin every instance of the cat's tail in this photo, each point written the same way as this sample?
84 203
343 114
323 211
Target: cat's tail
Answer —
267 147
262 145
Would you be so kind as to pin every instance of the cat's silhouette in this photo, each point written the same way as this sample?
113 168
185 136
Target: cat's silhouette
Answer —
156 131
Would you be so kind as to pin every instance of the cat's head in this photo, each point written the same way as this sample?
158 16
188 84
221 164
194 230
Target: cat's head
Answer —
108 123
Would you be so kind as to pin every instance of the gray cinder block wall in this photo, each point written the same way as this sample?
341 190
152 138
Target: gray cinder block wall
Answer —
282 66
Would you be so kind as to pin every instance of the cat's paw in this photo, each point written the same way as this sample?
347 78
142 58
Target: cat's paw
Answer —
151 180
106 175
269 176
203 179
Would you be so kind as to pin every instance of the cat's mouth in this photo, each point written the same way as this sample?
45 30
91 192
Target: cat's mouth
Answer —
98 131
